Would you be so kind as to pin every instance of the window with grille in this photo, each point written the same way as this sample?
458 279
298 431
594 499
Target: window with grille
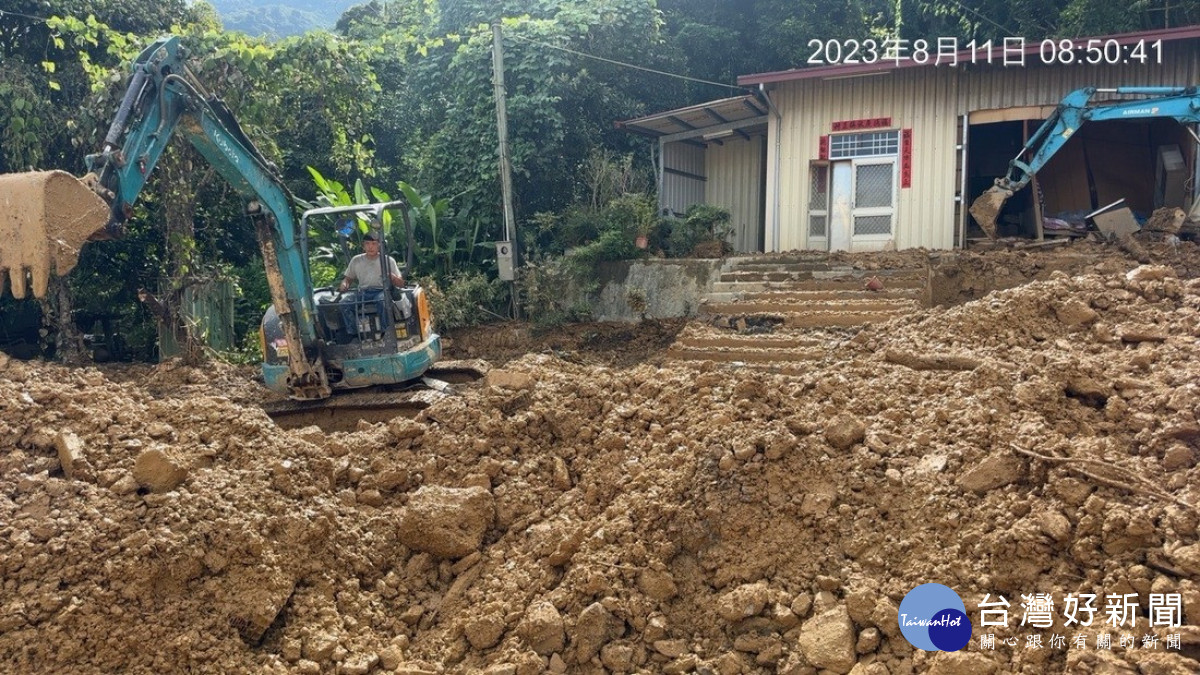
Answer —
874 197
872 185
818 200
872 225
864 144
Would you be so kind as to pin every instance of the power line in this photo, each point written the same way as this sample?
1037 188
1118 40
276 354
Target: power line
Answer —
23 16
627 65
1006 29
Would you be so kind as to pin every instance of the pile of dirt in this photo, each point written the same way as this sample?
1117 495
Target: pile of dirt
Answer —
961 276
569 515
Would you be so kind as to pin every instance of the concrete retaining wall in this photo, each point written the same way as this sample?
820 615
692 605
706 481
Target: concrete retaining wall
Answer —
671 288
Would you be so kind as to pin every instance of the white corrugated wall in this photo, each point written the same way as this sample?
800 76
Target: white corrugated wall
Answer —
679 191
735 181
917 99
929 101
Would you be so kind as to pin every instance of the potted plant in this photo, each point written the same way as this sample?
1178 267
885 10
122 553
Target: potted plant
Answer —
645 219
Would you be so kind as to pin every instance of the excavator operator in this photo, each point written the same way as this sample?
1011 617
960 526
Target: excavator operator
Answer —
367 270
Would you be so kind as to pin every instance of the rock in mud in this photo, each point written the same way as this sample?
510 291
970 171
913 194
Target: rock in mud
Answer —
484 632
743 602
996 470
70 451
594 628
158 471
542 629
508 379
827 641
845 431
1074 312
447 522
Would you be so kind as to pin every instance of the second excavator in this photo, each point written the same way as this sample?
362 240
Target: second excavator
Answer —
1076 109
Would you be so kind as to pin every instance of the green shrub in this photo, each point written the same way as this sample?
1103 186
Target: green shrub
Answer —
633 214
597 233
566 247
467 298
611 245
701 223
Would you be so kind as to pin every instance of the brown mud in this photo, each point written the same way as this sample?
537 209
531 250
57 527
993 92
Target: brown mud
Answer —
595 507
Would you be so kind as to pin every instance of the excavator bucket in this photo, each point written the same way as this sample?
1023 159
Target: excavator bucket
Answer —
45 217
986 208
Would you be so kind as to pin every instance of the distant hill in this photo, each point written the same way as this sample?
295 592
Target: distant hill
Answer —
278 19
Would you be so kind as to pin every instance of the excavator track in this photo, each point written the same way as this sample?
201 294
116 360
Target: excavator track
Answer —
347 410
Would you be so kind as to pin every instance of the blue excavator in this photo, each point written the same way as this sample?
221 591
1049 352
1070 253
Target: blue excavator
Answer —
313 344
1076 109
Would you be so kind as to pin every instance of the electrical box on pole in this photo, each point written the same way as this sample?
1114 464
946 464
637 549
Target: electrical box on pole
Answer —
504 260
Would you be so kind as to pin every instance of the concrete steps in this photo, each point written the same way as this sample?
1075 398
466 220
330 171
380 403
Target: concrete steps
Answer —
703 342
771 311
784 306
912 282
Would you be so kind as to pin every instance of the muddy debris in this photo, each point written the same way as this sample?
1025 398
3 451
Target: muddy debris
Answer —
655 517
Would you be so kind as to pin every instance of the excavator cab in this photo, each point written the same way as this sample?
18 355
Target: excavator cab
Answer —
372 335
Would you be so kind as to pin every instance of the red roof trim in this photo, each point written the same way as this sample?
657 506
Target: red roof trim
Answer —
964 57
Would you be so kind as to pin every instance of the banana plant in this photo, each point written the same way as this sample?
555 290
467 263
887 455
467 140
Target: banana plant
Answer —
430 214
332 193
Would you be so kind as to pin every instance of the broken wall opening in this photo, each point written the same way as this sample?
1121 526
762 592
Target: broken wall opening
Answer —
1148 163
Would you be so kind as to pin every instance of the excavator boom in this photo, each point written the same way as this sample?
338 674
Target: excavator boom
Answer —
1075 110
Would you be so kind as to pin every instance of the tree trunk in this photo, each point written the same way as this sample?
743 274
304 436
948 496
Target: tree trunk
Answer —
58 327
174 175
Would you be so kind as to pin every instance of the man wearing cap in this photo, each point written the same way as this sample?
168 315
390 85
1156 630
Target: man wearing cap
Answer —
366 269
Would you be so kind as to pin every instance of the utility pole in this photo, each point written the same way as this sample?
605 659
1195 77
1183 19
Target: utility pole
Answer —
510 226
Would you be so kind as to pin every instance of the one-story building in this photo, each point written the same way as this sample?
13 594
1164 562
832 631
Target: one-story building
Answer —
889 154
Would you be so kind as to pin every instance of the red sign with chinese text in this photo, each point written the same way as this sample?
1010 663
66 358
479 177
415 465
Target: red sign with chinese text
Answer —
867 123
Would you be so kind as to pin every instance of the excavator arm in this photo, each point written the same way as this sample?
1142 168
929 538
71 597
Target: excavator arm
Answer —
163 98
1075 110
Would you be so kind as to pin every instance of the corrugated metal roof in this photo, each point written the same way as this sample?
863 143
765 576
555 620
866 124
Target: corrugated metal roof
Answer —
995 56
738 111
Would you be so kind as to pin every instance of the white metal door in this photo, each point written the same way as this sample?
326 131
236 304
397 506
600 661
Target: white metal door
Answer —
874 200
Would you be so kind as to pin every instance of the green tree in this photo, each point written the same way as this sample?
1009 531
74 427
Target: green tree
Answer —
560 105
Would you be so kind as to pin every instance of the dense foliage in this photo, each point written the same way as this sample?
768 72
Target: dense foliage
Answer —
398 96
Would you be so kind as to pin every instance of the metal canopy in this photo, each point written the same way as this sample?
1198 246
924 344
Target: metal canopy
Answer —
705 122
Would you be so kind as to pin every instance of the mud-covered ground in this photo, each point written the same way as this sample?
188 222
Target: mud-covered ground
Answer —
583 510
